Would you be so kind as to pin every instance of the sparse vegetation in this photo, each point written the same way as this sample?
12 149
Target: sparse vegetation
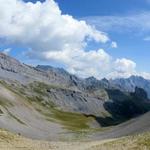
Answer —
75 122
41 88
71 121
9 141
38 96
136 142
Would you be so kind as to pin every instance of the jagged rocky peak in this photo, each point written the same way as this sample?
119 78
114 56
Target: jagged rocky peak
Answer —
105 80
59 72
92 83
52 69
60 75
44 67
8 63
91 80
136 77
131 83
139 92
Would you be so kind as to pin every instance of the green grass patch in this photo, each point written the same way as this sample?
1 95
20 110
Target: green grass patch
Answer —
41 101
4 102
41 88
71 121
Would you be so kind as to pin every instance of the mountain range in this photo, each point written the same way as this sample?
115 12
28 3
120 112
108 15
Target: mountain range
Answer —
49 103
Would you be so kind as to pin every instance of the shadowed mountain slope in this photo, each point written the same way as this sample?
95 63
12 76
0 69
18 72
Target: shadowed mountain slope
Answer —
47 103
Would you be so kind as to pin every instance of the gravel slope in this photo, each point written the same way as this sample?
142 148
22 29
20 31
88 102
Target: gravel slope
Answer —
133 126
20 117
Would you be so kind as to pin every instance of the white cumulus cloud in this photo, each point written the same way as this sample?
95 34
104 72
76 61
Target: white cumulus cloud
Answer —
50 35
79 62
123 68
114 45
125 65
43 27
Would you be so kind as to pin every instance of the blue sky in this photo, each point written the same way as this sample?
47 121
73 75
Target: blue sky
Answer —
130 44
82 8
123 21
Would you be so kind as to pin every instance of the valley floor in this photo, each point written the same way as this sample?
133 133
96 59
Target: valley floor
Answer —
9 141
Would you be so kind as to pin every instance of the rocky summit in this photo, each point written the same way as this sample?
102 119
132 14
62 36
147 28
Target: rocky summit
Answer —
49 103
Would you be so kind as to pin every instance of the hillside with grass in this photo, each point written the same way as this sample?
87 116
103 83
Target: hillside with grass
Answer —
9 141
46 103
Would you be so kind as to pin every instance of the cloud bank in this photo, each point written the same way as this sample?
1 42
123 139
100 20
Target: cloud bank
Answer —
50 35
123 68
43 27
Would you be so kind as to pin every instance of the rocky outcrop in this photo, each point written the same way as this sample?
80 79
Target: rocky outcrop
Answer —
131 83
34 100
